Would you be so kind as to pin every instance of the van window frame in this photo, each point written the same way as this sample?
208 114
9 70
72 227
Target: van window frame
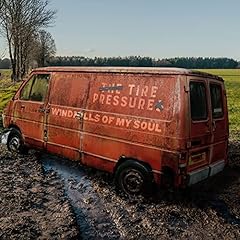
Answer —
30 78
205 83
222 100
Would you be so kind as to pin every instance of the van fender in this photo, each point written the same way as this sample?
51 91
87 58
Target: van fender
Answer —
123 159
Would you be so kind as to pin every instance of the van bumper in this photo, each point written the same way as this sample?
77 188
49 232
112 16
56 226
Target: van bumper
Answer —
203 173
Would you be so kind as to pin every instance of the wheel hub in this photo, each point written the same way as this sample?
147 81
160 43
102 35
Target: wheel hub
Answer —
14 144
133 181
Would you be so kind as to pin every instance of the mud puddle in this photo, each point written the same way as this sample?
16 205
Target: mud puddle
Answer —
93 220
207 210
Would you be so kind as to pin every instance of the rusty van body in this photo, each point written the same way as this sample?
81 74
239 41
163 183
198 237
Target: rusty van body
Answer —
145 125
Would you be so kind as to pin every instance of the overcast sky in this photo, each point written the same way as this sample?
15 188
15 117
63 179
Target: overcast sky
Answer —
155 28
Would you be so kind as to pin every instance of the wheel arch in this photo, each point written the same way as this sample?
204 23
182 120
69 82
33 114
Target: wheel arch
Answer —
134 177
14 126
123 159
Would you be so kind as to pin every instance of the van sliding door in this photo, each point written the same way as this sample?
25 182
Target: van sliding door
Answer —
67 103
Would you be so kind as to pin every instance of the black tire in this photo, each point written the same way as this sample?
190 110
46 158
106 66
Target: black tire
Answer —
134 178
15 142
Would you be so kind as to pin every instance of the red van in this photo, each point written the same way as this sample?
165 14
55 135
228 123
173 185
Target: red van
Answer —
145 125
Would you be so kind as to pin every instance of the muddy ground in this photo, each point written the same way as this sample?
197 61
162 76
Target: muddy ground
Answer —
45 197
32 204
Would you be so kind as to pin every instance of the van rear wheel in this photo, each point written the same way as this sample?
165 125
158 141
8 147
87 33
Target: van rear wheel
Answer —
15 142
133 178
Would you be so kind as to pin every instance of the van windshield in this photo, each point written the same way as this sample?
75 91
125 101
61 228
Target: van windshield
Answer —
36 88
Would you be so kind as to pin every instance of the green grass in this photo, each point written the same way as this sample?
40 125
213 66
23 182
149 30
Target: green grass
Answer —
7 88
232 83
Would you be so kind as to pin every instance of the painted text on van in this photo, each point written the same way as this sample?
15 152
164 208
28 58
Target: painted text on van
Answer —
104 119
137 97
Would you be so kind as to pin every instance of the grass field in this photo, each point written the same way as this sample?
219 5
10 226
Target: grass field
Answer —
231 77
232 83
7 89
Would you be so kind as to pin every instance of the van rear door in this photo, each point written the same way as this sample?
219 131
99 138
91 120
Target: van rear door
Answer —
200 124
209 124
219 121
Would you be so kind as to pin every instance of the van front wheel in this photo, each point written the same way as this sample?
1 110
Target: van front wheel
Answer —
133 178
15 142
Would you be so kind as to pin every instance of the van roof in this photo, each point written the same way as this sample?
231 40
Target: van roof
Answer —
142 70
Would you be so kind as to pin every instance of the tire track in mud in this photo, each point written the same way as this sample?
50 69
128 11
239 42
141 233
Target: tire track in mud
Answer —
93 219
100 213
224 212
138 218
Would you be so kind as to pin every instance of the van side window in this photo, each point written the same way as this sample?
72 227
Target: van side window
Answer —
216 100
24 95
198 101
36 88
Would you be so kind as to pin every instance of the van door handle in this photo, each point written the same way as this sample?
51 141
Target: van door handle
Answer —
214 125
47 110
79 115
41 110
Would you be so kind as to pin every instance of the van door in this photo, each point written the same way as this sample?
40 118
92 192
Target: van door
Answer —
200 127
67 103
219 121
29 114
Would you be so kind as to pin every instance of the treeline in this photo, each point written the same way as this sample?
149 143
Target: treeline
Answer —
5 63
137 61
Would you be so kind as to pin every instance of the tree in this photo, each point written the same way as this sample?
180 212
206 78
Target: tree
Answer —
45 48
20 20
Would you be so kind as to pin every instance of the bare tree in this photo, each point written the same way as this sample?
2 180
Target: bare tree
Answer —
45 48
20 20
